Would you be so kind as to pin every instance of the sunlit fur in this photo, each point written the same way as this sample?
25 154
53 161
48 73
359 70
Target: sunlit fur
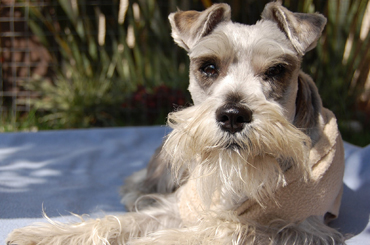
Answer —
111 229
240 165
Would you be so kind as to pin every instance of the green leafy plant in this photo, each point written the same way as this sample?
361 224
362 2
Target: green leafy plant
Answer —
96 72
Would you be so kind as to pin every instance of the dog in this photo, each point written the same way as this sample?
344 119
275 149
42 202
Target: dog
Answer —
256 160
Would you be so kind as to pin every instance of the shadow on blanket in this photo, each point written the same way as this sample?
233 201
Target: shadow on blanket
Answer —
355 210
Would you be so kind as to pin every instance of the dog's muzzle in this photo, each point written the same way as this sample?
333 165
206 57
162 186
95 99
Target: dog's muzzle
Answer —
232 117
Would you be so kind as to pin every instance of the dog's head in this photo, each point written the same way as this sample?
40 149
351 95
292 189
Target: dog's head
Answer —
252 104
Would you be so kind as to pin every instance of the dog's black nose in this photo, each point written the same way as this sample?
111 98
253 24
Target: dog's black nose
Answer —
232 117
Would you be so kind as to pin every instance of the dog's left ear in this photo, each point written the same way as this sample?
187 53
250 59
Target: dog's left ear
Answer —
188 27
303 30
308 105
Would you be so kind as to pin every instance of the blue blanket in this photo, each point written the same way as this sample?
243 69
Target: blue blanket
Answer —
81 171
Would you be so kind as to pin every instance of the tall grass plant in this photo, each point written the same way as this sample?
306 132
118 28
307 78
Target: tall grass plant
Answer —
107 53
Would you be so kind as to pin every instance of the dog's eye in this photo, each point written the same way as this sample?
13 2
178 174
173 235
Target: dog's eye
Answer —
209 70
275 71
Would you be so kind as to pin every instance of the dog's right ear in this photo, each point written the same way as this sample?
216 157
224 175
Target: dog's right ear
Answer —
188 27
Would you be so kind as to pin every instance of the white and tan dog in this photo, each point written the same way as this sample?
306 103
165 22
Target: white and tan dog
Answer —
256 160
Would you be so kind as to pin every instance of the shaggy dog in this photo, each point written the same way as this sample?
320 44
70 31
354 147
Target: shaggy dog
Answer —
255 160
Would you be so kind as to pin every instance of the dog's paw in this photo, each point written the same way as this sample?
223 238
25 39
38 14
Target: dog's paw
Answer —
17 237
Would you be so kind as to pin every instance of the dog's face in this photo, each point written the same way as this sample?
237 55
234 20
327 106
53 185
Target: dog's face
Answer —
252 105
232 62
236 62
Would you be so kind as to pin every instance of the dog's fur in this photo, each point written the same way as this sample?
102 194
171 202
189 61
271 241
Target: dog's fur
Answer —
255 120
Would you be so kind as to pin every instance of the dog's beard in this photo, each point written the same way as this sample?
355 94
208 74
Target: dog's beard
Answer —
234 167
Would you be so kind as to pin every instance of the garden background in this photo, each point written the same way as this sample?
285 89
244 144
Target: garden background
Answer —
111 63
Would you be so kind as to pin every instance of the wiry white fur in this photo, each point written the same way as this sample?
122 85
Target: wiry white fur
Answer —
113 230
240 165
226 229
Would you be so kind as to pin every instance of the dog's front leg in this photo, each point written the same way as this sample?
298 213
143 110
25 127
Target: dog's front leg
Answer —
156 178
112 230
108 230
209 230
